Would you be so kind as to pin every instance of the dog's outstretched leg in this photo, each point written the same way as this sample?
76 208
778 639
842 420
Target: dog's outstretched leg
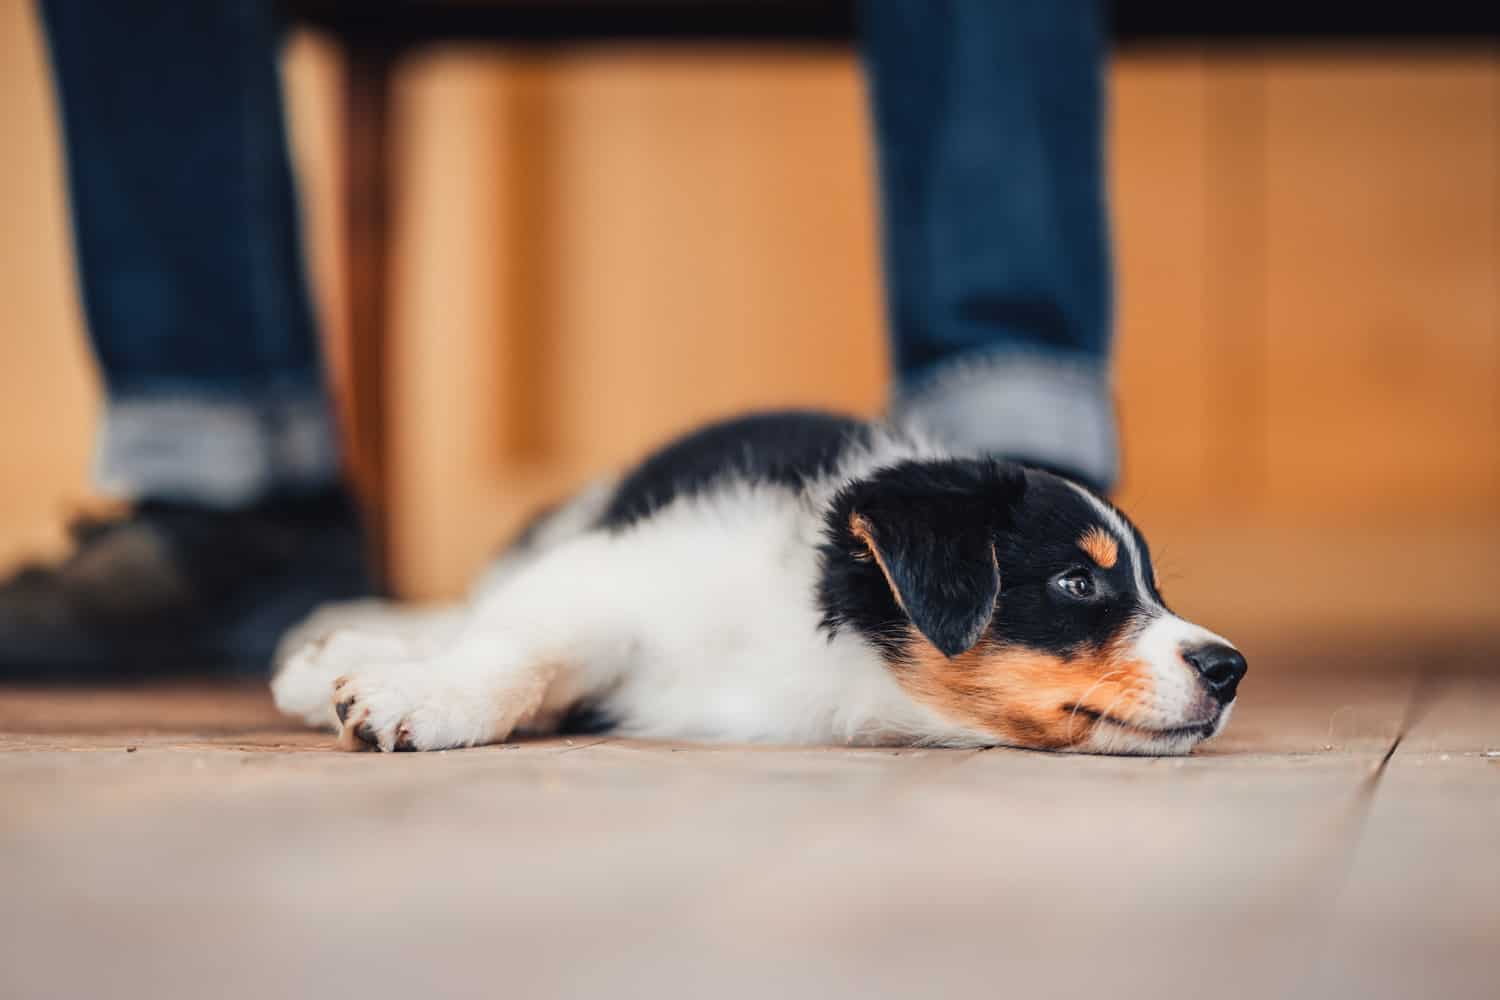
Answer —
551 634
339 637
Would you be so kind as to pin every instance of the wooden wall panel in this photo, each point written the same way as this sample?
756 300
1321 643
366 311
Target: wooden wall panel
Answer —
599 252
1164 379
688 235
1234 313
454 312
715 245
1383 334
48 395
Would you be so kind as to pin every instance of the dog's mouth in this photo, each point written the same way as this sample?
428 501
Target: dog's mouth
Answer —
1197 730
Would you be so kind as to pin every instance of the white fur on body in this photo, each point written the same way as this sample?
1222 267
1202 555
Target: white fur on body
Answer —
698 622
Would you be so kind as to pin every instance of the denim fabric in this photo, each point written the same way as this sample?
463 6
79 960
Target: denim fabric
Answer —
186 236
989 120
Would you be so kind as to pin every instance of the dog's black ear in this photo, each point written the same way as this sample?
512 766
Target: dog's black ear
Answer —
931 528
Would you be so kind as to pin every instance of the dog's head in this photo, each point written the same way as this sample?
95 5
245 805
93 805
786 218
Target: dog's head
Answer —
1021 606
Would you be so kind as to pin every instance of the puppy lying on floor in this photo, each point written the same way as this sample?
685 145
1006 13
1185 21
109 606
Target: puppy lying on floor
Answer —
790 578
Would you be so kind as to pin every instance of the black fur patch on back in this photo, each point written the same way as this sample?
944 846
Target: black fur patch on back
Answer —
786 448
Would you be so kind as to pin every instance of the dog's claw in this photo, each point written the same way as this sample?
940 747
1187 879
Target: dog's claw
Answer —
366 735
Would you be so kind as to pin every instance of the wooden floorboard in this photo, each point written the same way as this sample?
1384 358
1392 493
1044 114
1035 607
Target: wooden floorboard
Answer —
186 842
1421 908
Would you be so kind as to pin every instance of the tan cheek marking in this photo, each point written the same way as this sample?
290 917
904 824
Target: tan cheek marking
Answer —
1101 547
1023 697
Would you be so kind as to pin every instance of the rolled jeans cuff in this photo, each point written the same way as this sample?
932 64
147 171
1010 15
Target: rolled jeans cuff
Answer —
1053 411
219 452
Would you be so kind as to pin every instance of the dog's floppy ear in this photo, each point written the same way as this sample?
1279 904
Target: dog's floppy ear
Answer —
931 527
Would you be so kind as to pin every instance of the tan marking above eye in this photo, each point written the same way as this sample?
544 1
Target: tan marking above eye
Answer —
1100 546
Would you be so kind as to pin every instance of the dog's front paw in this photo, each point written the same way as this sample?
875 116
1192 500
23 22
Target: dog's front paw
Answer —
437 703
306 674
374 712
405 707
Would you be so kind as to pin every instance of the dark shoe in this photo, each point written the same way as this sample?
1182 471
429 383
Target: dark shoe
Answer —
173 590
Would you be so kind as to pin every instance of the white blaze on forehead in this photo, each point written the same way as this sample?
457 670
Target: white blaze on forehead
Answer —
1116 526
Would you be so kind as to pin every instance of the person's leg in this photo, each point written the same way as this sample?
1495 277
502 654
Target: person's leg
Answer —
216 422
988 116
189 259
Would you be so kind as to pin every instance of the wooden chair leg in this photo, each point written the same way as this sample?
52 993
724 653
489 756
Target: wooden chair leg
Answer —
367 185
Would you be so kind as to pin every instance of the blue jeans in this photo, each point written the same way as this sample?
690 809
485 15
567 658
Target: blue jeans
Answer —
189 255
988 120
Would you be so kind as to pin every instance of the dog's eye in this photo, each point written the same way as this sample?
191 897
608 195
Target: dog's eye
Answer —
1075 583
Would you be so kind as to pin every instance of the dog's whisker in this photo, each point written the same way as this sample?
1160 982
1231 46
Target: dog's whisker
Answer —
1106 714
1078 703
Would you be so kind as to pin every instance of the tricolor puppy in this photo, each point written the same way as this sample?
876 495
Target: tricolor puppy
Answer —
790 578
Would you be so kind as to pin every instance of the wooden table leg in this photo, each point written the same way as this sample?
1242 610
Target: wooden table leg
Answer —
367 187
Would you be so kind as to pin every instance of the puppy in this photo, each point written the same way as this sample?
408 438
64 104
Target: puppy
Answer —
790 578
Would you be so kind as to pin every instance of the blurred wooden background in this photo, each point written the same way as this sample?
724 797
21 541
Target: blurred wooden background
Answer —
599 249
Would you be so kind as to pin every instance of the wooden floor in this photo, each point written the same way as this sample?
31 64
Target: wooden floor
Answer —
1342 839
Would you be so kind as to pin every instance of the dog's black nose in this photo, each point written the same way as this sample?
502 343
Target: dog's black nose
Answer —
1221 667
